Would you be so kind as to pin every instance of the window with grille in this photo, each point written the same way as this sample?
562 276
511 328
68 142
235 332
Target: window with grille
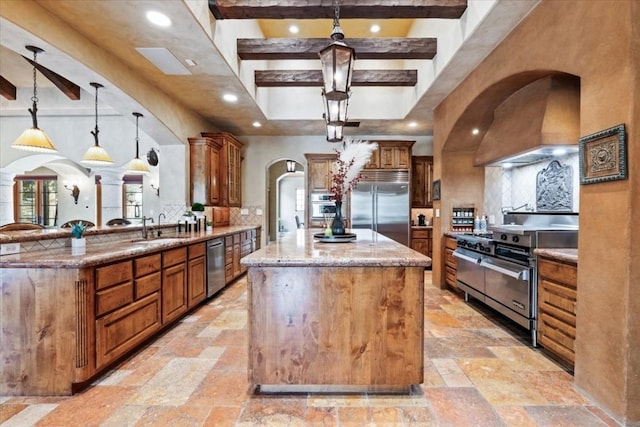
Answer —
36 200
132 193
299 199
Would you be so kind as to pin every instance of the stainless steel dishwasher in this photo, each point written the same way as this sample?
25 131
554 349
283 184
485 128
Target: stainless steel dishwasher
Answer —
215 266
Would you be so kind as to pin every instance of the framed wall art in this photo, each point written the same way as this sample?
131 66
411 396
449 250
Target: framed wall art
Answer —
603 155
436 190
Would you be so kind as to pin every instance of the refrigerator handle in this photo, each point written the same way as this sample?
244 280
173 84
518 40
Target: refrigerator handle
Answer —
374 207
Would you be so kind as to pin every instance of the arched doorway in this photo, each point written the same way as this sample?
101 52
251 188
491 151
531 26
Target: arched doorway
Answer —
285 197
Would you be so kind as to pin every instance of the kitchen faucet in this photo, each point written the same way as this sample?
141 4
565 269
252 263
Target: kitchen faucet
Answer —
144 226
160 222
511 208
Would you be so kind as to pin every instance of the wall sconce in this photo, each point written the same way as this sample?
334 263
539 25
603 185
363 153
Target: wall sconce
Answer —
156 187
291 165
75 192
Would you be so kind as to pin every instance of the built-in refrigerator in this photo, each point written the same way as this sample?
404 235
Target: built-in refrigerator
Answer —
380 202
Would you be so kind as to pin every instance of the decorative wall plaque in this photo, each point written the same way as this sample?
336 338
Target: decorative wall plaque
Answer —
554 188
603 156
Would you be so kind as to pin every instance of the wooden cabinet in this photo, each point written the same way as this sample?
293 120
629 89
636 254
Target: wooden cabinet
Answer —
391 155
204 161
127 306
319 172
421 178
246 247
557 297
421 240
174 284
228 259
236 255
450 262
197 274
229 168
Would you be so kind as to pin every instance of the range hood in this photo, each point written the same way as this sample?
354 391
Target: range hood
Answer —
534 124
536 155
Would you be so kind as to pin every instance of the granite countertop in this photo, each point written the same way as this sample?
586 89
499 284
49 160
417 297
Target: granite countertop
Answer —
300 249
57 233
421 227
97 253
560 254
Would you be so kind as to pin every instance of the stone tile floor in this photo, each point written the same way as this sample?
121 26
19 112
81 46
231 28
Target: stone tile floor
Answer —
479 371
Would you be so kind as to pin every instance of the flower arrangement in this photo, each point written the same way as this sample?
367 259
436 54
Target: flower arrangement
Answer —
78 229
197 207
346 169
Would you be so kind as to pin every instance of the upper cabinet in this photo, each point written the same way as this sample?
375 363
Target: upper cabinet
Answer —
204 160
421 178
319 172
229 168
391 155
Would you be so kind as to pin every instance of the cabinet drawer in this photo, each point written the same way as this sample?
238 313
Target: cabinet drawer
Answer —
122 330
556 337
199 249
174 256
560 272
228 272
450 243
228 241
113 298
113 274
558 301
146 265
449 259
148 284
421 234
450 276
237 238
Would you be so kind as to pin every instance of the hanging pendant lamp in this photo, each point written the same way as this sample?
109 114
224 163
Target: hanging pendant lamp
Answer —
137 166
34 138
337 61
96 155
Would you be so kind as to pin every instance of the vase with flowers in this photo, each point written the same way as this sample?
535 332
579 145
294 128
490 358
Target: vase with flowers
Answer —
78 243
346 174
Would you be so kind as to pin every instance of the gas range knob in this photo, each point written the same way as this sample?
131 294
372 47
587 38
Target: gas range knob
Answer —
515 239
503 237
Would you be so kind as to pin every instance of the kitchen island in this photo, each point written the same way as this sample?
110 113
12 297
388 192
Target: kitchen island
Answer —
335 317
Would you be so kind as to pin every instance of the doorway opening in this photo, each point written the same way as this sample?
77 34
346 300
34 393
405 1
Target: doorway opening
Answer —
285 198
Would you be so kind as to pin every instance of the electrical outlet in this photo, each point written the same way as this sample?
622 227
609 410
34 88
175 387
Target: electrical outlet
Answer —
9 248
258 211
437 212
244 211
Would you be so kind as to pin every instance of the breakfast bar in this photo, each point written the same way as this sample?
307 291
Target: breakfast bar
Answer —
335 317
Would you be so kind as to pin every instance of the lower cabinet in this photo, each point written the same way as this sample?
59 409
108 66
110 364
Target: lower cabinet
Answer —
421 241
197 275
450 262
557 297
174 284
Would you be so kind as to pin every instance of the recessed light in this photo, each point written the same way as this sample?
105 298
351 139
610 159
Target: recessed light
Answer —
293 29
413 124
475 131
190 62
229 97
158 18
257 124
375 28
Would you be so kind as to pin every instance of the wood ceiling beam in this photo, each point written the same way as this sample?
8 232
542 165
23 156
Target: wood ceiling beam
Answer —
376 48
324 9
70 89
7 89
305 78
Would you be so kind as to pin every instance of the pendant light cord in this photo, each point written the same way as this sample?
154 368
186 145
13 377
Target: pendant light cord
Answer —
137 145
34 99
96 131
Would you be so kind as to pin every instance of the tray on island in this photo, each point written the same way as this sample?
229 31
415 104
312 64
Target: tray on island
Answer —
339 238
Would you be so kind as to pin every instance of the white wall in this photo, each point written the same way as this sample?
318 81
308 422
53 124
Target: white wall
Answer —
287 208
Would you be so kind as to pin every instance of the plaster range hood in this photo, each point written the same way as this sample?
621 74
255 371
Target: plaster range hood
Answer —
536 155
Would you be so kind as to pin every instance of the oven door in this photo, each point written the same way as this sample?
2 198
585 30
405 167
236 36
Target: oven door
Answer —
509 289
320 209
469 273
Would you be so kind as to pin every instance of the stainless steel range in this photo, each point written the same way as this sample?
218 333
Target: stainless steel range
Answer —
500 268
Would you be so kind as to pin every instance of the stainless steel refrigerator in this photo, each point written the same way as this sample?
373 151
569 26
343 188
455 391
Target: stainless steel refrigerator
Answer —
381 202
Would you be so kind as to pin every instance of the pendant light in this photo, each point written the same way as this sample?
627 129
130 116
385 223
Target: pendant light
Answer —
96 155
137 166
337 61
34 138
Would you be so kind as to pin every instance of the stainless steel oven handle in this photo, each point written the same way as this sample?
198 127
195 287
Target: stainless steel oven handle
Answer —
466 258
519 274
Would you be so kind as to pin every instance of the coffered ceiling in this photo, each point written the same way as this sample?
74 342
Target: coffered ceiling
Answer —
423 50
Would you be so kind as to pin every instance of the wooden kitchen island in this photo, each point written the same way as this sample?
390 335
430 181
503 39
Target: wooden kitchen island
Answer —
335 317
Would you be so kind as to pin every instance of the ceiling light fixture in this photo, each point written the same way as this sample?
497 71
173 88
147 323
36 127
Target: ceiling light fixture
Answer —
293 29
229 97
413 124
34 138
96 155
475 131
257 124
337 61
158 18
137 166
375 28
291 165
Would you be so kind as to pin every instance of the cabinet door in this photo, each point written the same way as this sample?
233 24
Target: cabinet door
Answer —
174 292
420 245
386 157
319 175
235 198
214 186
418 175
122 330
236 260
197 289
401 157
374 161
